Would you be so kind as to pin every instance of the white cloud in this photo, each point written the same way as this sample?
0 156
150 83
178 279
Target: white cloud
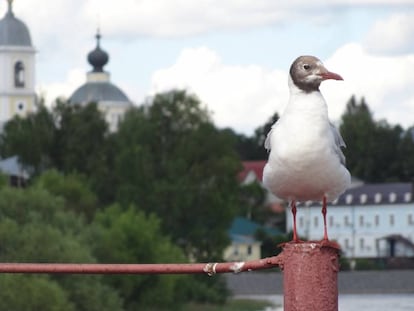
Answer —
392 35
242 97
51 91
169 18
385 81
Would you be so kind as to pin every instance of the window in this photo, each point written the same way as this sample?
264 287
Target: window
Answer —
361 243
316 221
410 219
361 220
331 221
392 220
346 221
236 250
19 74
363 198
301 222
249 250
377 220
348 199
20 107
346 243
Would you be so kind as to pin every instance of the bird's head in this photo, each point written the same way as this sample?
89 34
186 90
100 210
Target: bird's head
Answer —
308 72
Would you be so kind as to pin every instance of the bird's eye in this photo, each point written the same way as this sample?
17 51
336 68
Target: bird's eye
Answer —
306 67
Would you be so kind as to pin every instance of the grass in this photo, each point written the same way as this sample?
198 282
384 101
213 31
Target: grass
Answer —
231 305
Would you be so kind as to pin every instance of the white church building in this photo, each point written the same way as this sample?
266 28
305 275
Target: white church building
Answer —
17 63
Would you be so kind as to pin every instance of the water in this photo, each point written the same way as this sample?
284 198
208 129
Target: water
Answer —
365 302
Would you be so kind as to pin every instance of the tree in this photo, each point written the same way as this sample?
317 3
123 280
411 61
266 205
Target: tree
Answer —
32 293
252 147
36 227
129 236
74 188
173 162
371 152
406 155
31 138
80 138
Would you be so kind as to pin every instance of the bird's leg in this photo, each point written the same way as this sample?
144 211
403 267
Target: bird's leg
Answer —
295 235
325 230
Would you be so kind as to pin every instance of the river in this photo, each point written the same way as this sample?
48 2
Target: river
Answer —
356 302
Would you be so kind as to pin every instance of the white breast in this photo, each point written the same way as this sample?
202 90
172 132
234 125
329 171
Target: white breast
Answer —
302 162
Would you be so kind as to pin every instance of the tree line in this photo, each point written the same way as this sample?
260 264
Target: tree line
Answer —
163 188
376 151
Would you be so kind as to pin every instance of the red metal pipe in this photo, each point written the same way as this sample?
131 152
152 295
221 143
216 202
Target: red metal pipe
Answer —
74 268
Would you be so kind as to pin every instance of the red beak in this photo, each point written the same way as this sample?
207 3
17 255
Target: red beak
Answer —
330 75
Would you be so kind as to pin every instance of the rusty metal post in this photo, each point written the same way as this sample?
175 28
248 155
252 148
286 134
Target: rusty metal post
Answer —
310 276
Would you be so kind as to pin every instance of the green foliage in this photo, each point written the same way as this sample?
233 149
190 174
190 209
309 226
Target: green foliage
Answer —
32 138
252 147
172 161
35 226
80 138
253 197
232 305
406 155
167 159
372 147
367 264
271 244
131 237
73 188
32 293
4 180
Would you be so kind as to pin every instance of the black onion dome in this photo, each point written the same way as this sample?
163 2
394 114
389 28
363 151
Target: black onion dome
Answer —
98 58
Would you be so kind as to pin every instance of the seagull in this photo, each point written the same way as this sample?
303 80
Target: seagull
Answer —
306 162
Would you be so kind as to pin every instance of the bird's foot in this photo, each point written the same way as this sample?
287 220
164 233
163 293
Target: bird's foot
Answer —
294 241
327 243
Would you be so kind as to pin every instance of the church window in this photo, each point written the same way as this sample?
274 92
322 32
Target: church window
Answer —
19 74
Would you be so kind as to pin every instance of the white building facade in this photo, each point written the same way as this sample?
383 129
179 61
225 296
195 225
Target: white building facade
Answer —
371 220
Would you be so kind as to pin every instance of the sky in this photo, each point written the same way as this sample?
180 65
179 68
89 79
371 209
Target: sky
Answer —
233 54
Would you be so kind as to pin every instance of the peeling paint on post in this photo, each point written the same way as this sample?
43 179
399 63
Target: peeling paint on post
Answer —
310 276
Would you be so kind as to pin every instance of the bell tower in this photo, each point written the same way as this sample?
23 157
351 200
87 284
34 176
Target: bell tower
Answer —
17 67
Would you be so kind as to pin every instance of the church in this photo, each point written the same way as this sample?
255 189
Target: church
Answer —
18 80
18 76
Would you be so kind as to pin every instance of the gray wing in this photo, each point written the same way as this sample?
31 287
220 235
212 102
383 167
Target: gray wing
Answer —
267 141
339 143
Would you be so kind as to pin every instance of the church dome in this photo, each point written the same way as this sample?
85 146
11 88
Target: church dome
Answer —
98 88
98 58
94 92
13 32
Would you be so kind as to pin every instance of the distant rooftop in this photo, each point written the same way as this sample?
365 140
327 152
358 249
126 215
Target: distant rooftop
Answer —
244 227
384 193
